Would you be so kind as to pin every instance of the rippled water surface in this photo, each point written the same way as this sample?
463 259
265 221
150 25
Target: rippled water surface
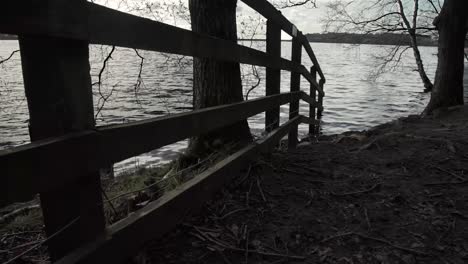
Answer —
355 100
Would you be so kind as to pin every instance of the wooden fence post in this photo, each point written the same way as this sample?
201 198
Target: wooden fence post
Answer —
296 57
58 86
273 76
320 100
312 107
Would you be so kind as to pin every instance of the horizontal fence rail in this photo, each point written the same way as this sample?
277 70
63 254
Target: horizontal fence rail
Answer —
45 165
111 27
71 160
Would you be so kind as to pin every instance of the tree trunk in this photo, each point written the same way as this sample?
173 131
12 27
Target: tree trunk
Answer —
428 86
451 24
216 82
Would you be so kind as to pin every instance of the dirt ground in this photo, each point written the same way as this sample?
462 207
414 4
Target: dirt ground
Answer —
395 194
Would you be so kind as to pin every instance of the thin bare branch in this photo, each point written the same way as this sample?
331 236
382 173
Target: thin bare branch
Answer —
9 57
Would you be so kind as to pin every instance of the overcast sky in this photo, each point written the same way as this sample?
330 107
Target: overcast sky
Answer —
306 18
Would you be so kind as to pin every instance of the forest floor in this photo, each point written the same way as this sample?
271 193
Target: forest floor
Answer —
397 193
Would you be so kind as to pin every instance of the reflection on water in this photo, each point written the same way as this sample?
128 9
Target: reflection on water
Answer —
354 99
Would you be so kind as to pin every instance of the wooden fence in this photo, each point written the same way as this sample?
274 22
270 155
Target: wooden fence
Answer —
62 162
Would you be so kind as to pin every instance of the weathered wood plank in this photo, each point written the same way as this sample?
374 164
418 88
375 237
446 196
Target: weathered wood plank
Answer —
161 216
308 120
54 18
273 76
320 100
308 99
58 89
33 168
306 74
268 143
313 107
296 56
140 136
111 27
313 58
268 11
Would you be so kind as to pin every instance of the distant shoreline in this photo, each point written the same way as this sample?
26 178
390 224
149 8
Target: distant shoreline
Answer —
338 38
340 42
8 37
359 39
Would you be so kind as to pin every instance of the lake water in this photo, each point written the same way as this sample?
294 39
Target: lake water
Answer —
355 99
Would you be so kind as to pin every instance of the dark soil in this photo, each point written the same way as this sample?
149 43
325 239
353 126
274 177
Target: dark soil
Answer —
395 194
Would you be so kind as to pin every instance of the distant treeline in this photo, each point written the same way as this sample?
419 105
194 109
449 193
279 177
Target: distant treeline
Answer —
377 39
6 36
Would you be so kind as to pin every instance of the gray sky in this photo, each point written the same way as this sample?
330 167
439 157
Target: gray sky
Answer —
306 18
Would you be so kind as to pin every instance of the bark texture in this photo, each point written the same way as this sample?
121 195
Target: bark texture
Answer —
451 24
215 82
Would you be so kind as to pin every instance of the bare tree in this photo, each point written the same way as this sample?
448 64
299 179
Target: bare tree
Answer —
380 16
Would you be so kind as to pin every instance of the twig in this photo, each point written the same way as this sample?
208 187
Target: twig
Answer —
257 76
231 213
17 212
247 247
445 183
383 241
99 83
336 236
367 219
43 242
449 172
21 233
269 254
457 213
23 245
357 192
109 201
261 190
247 195
243 250
139 81
226 260
246 176
215 241
9 57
